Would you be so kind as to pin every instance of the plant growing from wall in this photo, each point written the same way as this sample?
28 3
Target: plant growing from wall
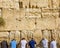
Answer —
2 21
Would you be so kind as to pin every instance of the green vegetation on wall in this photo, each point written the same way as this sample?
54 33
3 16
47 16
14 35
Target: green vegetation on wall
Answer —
2 21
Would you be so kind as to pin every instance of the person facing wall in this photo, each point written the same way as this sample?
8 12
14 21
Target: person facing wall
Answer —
53 44
32 43
44 43
13 43
4 44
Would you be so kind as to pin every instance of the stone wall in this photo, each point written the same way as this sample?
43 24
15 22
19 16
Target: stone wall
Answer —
32 18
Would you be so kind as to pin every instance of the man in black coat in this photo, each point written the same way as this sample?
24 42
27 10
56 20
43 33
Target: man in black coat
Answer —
4 44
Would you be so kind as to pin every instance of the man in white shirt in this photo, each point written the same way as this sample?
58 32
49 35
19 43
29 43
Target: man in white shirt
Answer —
44 43
53 44
23 43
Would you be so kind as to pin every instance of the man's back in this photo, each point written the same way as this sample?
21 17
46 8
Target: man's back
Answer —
53 44
32 44
13 44
4 44
45 43
23 43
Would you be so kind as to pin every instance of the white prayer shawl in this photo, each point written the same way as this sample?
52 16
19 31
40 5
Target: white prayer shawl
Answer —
53 44
23 43
45 43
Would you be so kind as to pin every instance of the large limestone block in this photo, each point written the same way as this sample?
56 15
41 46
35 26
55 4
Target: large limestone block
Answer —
7 13
44 10
30 23
56 3
21 25
10 17
50 12
4 34
22 13
25 23
32 13
0 4
47 34
14 20
3 38
55 13
46 23
53 3
27 34
8 4
5 5
16 15
37 35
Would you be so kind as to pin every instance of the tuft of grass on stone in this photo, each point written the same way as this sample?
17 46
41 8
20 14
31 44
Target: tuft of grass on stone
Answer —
2 22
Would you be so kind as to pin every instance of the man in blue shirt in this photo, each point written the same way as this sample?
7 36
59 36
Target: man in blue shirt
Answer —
13 43
32 43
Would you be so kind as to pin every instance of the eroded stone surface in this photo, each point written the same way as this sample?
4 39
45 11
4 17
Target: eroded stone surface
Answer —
37 18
